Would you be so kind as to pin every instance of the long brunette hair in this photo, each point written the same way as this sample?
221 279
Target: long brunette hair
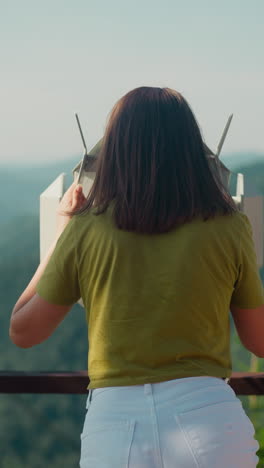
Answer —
153 165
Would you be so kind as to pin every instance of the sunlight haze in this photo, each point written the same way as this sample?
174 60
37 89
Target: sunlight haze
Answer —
59 56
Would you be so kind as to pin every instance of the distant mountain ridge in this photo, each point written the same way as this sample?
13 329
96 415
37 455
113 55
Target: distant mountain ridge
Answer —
21 185
234 160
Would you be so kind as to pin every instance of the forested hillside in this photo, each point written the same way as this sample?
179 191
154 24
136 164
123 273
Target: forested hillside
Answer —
44 430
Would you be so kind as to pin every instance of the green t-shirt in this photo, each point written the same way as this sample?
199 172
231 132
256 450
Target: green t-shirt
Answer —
157 306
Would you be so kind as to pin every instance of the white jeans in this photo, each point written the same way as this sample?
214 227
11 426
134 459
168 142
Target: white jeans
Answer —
195 422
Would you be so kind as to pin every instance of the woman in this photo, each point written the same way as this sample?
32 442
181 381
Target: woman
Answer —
159 255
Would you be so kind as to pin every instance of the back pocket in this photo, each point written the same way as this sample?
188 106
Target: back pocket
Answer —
220 435
106 445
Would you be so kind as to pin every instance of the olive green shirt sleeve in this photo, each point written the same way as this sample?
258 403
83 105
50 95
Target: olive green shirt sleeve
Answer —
59 283
248 289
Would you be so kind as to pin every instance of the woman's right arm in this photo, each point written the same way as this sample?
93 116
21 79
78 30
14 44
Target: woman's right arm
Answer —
247 302
250 328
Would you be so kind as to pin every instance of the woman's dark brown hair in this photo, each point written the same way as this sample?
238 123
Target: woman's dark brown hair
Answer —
153 165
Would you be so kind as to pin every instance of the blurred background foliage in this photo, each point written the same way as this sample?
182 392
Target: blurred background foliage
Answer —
44 430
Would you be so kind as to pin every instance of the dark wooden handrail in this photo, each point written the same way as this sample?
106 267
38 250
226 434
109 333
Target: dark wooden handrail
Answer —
76 382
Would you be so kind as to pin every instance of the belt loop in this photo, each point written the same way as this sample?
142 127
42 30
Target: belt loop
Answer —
89 398
147 389
90 395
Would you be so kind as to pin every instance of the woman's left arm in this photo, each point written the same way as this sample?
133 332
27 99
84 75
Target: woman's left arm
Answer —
33 319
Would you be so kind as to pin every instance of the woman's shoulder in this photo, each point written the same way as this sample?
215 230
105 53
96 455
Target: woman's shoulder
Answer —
237 219
240 221
231 226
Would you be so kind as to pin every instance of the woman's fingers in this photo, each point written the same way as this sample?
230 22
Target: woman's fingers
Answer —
78 198
72 200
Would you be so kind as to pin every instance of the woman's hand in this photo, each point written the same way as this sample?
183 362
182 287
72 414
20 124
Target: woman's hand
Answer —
71 201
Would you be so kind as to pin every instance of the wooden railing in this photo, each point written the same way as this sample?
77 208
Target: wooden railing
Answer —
77 382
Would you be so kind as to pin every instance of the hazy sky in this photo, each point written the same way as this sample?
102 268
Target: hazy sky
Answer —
62 56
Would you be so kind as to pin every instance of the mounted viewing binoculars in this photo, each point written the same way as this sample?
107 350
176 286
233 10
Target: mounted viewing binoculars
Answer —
247 201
